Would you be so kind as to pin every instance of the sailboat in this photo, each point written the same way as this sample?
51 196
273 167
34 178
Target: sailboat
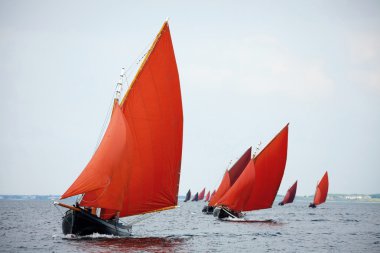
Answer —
136 167
195 198
207 196
257 186
188 196
290 195
229 178
202 194
321 191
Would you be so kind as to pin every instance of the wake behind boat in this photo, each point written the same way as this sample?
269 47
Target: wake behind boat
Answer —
121 178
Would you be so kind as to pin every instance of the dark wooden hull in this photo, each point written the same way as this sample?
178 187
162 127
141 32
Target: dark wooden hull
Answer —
83 223
208 209
312 205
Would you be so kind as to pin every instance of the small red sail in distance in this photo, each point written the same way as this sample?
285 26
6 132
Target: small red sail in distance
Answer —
207 196
290 194
136 168
257 186
322 190
230 177
202 194
212 194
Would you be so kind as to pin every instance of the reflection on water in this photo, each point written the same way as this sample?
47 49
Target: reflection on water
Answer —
130 244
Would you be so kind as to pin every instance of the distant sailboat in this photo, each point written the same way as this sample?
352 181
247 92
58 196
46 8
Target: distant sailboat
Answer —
257 186
207 196
143 140
290 195
229 178
195 198
212 194
188 196
202 194
321 191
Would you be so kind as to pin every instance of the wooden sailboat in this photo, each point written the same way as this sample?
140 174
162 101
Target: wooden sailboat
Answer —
136 168
195 198
207 196
290 195
257 186
321 191
188 196
229 178
202 194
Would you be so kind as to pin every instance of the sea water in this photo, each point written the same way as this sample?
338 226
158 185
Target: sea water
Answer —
35 226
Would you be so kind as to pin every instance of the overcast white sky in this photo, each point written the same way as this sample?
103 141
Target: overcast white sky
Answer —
246 67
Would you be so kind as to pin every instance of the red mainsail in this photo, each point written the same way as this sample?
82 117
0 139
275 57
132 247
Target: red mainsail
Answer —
230 177
136 168
257 186
322 190
202 194
290 194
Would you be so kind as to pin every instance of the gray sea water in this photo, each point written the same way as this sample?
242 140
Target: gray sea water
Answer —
35 226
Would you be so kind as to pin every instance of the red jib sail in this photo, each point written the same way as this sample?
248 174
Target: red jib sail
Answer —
257 186
202 194
136 168
230 177
290 194
322 190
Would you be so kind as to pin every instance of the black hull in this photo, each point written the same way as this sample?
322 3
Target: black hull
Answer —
222 213
208 209
82 223
281 204
312 205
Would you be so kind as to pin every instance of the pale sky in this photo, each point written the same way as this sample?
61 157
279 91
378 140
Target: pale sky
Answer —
246 68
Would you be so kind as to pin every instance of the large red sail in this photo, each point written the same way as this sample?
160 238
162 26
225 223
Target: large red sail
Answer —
290 194
136 168
153 109
257 190
102 180
322 190
202 194
231 176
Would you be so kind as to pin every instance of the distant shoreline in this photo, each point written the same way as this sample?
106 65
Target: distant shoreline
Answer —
331 197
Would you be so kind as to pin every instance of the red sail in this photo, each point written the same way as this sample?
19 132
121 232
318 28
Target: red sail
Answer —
136 169
257 188
207 196
153 109
238 195
202 194
103 178
230 177
290 194
212 194
322 190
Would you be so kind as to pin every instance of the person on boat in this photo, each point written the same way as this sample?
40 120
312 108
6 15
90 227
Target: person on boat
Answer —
281 203
312 205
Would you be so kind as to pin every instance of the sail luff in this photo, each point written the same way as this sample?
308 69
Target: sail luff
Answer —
144 61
